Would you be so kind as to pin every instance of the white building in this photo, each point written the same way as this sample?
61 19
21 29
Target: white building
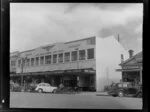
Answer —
88 62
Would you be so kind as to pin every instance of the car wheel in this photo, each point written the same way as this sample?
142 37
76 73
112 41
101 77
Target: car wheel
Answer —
114 95
120 94
40 90
54 91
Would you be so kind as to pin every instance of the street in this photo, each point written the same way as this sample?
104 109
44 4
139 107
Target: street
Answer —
72 101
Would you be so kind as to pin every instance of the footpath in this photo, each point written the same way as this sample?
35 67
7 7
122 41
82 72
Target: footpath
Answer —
94 93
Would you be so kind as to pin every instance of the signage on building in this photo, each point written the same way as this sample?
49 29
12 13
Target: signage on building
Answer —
47 48
76 45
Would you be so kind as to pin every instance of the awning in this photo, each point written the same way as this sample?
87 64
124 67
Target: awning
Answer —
58 72
129 70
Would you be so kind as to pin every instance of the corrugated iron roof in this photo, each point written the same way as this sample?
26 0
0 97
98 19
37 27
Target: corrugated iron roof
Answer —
137 59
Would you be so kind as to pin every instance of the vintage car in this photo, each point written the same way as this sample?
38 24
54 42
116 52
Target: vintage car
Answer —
45 87
122 89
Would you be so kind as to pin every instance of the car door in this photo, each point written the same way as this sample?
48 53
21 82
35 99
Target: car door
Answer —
47 88
43 86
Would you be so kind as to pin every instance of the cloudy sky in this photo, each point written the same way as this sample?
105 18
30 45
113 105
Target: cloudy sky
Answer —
37 24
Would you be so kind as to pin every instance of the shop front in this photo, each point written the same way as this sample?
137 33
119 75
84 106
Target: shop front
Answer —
132 70
69 78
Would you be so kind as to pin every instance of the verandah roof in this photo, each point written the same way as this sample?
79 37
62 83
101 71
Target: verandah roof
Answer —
59 72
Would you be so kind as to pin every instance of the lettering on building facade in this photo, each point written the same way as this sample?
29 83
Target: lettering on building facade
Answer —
76 45
47 48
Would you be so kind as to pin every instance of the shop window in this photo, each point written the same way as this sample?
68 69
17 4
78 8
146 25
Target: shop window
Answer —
48 59
67 57
60 60
41 60
19 63
90 53
74 56
55 58
37 60
82 55
32 61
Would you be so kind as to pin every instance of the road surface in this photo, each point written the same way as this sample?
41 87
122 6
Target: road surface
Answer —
72 101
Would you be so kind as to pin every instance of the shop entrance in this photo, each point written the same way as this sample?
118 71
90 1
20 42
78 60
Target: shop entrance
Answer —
132 77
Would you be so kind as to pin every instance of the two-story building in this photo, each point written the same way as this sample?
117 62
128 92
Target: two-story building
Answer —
89 63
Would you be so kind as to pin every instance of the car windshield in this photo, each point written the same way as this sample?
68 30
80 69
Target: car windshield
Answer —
47 84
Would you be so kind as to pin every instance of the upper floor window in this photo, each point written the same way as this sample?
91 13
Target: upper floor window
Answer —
82 55
19 63
67 57
60 58
48 59
32 61
28 62
13 63
90 53
55 58
41 60
74 56
37 60
91 41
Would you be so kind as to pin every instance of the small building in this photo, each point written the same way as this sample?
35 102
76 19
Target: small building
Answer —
89 63
132 68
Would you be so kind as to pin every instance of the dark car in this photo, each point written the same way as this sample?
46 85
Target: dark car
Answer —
121 89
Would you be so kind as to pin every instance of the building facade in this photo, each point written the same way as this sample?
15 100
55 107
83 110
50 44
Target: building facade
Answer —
89 63
132 68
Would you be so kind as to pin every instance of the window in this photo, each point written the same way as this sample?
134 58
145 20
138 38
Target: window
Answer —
74 56
37 60
90 53
32 61
48 59
19 63
23 62
60 58
28 61
67 57
82 55
41 60
55 58
91 41
13 63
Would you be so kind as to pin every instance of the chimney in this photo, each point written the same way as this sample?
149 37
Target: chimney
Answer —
130 53
122 58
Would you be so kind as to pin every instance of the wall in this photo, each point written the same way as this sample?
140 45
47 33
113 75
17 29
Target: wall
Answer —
63 47
108 52
63 66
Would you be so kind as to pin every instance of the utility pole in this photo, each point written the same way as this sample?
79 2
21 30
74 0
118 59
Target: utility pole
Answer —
22 64
22 67
118 38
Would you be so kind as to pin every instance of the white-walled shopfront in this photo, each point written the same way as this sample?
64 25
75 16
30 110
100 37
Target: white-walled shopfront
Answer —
89 62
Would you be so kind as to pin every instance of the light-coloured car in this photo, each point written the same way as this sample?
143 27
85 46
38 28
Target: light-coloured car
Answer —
45 87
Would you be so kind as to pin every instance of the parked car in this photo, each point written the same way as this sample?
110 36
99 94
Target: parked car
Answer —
122 89
45 87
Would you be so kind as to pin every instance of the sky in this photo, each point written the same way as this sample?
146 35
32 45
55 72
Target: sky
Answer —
37 24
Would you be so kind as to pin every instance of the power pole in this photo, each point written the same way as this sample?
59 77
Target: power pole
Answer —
118 38
22 74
